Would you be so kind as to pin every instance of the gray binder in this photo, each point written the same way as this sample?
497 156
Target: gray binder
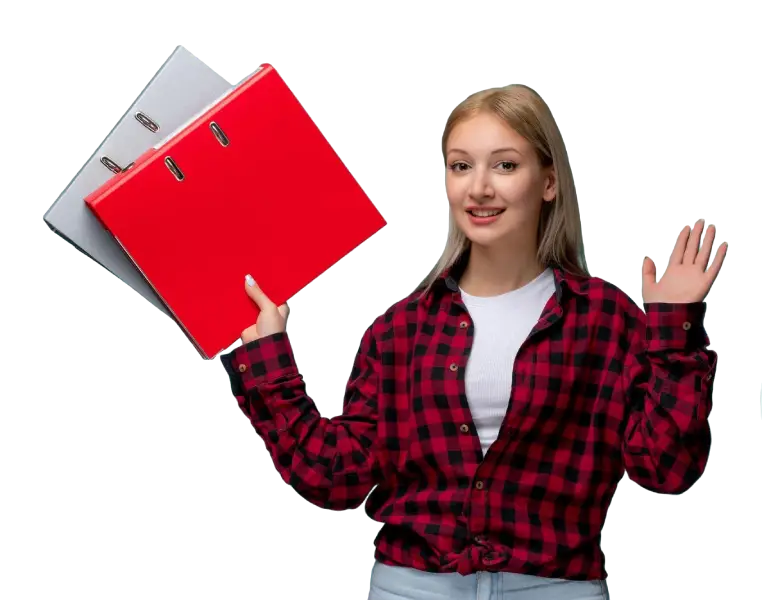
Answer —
181 87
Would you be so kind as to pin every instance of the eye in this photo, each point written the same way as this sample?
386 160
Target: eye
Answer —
508 162
455 166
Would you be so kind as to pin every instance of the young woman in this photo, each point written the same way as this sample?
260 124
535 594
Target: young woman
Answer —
495 409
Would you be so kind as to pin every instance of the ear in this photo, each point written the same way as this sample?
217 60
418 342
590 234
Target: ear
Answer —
549 193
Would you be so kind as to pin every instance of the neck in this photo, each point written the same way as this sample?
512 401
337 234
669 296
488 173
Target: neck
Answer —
494 271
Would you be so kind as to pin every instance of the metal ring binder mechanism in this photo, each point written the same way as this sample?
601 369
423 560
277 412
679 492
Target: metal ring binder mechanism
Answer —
174 168
172 165
111 165
223 139
146 122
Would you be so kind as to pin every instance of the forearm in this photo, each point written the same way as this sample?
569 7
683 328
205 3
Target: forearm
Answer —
330 462
668 382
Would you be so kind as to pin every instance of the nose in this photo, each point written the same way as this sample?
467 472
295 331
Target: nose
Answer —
479 185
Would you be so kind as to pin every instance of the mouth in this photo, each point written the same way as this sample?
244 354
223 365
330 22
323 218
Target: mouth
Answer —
484 213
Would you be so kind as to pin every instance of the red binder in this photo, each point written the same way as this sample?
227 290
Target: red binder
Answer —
249 186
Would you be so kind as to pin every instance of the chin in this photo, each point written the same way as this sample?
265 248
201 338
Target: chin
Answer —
484 240
483 235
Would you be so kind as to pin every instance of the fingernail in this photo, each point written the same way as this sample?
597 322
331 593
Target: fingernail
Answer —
249 281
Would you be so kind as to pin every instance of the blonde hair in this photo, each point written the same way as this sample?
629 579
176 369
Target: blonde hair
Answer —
560 230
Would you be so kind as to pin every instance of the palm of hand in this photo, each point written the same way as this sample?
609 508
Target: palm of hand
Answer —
688 277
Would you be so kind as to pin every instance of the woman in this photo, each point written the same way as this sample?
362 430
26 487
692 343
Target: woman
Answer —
497 406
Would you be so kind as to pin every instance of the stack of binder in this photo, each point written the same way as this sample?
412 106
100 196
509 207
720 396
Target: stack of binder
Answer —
202 182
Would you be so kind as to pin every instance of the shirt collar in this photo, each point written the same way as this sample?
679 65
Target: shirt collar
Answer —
449 278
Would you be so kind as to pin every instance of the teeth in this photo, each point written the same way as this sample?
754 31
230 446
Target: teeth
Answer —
485 213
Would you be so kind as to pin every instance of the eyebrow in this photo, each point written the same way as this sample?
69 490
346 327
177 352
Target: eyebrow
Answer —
507 149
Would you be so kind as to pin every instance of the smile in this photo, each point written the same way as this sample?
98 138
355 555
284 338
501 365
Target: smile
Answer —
483 217
485 213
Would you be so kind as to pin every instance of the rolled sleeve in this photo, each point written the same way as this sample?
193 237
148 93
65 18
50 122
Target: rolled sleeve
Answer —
259 362
675 326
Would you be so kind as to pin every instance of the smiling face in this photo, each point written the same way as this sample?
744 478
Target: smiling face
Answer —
495 183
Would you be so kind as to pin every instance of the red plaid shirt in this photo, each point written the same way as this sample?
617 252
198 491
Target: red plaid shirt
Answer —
600 388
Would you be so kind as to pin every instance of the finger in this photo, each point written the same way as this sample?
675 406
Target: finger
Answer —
678 252
706 248
284 310
719 258
649 272
692 247
256 294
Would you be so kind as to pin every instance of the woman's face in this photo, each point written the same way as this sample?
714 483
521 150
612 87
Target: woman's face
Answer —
492 168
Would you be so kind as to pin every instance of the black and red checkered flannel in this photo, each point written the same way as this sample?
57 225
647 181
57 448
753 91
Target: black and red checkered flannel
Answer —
600 388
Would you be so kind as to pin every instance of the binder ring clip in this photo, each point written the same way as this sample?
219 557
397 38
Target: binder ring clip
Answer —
147 122
219 134
115 168
111 165
172 166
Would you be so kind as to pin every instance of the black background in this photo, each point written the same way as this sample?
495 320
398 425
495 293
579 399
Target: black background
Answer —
151 480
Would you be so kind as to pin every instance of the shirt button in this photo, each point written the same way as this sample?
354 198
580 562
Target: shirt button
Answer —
453 366
479 539
241 368
686 326
479 485
464 428
463 324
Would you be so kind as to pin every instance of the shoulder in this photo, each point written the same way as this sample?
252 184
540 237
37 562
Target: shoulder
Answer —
606 297
396 318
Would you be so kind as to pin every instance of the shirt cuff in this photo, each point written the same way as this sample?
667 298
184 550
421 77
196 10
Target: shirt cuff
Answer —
264 360
671 326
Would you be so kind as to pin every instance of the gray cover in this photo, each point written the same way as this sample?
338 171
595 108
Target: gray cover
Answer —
181 87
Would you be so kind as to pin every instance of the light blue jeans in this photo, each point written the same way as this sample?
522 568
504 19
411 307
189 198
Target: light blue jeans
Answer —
401 583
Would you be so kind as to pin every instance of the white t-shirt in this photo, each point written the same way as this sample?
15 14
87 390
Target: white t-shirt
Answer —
501 324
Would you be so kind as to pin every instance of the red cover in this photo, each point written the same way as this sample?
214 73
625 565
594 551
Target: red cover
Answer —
276 202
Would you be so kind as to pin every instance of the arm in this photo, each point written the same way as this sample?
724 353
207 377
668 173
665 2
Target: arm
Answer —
333 463
667 382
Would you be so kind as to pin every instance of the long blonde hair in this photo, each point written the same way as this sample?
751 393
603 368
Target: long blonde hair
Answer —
560 230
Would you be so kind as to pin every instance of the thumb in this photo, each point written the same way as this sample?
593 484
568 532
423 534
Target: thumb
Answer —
649 272
284 310
255 293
